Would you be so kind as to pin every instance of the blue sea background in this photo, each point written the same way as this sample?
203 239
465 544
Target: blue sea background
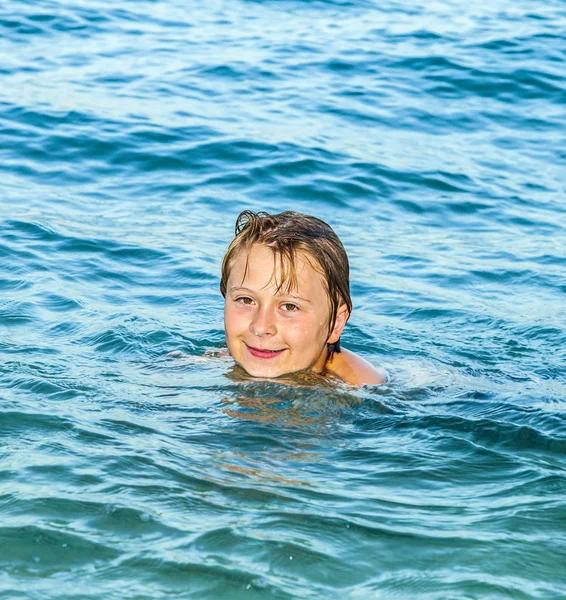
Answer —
431 136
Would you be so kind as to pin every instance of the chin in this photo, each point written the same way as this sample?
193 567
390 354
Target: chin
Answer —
262 372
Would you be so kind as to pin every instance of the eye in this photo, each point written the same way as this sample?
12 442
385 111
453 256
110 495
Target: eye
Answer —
289 307
244 300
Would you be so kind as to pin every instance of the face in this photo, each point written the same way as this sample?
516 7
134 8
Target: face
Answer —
272 333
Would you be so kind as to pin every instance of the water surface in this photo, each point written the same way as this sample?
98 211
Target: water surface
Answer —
430 136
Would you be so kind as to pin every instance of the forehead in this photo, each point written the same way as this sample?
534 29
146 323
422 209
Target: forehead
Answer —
259 267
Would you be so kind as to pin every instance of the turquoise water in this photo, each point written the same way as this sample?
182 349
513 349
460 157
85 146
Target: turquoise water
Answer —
431 137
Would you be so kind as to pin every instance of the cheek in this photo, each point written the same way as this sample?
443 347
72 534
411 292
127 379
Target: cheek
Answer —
304 332
232 319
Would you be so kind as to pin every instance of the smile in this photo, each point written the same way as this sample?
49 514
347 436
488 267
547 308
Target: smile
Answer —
260 353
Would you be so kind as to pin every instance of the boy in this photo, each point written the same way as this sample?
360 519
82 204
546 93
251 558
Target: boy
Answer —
285 280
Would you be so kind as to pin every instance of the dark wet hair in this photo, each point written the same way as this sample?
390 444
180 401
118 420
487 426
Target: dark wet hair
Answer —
287 234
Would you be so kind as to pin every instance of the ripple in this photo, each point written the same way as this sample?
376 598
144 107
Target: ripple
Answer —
15 313
35 549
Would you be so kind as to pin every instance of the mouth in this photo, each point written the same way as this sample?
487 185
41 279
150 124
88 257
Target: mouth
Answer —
263 353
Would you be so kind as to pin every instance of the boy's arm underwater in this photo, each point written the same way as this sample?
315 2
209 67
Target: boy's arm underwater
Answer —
354 369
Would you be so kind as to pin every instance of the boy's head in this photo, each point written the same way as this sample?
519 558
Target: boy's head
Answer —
285 278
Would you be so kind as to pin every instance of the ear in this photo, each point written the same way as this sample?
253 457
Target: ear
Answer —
339 324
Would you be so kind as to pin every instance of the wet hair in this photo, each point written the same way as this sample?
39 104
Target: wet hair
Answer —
288 234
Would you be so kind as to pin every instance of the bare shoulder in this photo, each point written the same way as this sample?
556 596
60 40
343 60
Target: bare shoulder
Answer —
354 369
218 353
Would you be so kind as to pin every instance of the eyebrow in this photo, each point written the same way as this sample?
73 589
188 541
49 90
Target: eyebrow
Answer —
237 288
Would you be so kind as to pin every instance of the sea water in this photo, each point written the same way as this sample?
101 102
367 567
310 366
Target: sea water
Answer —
430 135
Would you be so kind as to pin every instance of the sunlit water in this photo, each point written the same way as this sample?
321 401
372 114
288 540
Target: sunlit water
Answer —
431 137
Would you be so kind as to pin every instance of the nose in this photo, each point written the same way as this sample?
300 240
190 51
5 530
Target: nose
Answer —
263 323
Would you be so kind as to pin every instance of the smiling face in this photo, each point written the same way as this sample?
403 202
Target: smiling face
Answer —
271 332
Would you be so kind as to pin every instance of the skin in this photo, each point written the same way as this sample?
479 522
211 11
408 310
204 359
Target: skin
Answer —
271 333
